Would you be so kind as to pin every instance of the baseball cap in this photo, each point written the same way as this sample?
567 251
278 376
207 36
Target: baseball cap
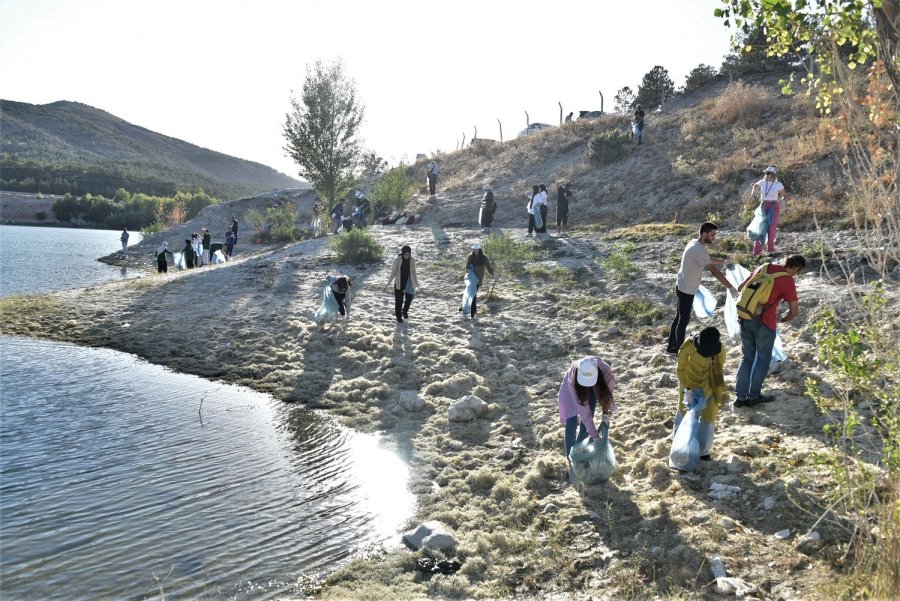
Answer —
588 372
476 246
770 169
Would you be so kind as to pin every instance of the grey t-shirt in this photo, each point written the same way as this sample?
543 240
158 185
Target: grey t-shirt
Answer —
693 262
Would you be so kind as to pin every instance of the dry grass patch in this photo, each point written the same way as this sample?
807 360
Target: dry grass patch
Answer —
651 232
740 103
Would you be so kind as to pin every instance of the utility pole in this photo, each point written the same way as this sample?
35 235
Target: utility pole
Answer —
560 112
501 130
601 100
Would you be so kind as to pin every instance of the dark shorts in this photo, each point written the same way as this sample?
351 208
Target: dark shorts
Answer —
562 218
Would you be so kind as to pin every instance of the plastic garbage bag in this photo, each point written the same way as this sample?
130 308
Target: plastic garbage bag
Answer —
735 274
594 461
538 220
704 303
758 227
691 435
178 260
218 257
409 287
329 309
778 354
469 292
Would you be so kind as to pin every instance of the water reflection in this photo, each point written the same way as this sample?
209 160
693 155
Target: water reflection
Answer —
110 479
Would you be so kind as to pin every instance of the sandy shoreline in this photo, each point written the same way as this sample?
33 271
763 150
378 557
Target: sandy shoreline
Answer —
498 482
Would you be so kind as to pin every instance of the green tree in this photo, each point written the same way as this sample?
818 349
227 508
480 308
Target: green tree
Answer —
698 77
655 88
323 127
372 164
393 188
624 100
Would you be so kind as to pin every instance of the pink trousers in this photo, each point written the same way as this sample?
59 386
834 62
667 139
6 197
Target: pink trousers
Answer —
773 228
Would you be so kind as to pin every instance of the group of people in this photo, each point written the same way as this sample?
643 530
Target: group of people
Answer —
198 250
538 205
700 360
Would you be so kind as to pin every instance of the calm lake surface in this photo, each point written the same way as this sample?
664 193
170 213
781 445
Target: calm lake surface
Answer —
112 484
43 259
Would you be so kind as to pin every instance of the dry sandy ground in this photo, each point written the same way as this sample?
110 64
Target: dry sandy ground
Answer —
499 482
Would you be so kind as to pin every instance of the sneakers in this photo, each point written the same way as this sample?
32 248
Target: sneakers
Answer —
405 315
399 320
705 458
763 398
740 402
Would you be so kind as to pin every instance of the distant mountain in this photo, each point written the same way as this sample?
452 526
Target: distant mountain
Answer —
72 147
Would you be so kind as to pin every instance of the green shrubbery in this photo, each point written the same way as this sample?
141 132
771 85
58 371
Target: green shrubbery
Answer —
392 188
608 147
275 224
619 262
135 211
356 246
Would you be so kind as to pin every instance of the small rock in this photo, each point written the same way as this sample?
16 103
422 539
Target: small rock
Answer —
813 536
466 409
769 503
736 465
505 454
783 534
721 491
699 519
550 508
612 331
430 535
412 401
728 524
664 381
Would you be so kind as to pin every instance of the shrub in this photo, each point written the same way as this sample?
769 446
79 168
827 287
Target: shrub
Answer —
619 261
356 246
739 103
507 254
698 77
40 215
392 188
156 226
608 147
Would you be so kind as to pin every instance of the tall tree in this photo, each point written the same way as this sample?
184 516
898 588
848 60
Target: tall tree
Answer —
699 76
624 100
655 88
322 130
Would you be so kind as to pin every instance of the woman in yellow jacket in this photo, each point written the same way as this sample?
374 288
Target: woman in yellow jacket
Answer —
701 361
403 276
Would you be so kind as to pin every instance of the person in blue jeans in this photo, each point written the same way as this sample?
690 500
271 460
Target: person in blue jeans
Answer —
581 389
758 335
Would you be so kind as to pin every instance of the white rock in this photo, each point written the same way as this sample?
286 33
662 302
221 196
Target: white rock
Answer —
728 524
430 535
550 508
721 491
813 536
612 331
736 465
506 454
783 534
466 409
769 503
411 400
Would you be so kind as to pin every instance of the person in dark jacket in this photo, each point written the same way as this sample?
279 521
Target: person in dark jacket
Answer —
234 227
229 243
337 214
563 195
340 286
479 262
162 266
637 127
488 207
207 240
189 254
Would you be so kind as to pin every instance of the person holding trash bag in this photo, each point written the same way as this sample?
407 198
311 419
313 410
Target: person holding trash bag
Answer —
162 266
700 370
340 288
403 276
477 261
771 194
580 390
534 214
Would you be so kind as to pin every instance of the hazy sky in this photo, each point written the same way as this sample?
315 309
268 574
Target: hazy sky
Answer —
220 73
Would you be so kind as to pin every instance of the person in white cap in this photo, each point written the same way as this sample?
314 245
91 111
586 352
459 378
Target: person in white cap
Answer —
162 266
479 261
581 389
771 194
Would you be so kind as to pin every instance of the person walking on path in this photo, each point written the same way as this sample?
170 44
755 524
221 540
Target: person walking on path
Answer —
340 286
488 207
637 125
758 335
771 194
701 363
478 261
563 196
432 173
403 277
693 261
533 208
234 227
162 266
124 240
580 391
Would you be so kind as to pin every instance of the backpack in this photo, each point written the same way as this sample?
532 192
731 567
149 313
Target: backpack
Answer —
755 295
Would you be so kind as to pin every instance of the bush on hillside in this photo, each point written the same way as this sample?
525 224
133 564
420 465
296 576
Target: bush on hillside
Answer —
392 188
740 103
356 246
608 147
698 77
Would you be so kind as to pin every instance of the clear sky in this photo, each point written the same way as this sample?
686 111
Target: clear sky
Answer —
220 73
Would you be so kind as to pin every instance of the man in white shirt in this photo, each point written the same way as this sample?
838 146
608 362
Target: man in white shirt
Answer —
693 261
771 193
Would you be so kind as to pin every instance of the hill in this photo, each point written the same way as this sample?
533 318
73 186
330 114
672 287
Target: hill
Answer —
72 147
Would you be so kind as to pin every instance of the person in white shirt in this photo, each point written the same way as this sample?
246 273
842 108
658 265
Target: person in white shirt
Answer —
693 261
771 194
545 203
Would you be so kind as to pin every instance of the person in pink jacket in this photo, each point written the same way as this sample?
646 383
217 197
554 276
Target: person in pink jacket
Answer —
581 389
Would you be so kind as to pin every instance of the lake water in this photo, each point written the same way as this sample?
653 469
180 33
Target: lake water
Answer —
115 482
43 259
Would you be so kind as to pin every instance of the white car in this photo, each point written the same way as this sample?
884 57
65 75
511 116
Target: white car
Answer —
534 127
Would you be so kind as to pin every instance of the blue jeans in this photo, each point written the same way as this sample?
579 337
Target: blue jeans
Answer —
572 425
757 340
